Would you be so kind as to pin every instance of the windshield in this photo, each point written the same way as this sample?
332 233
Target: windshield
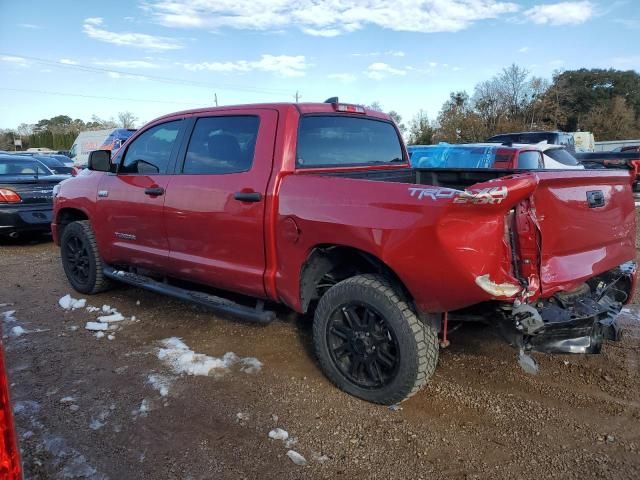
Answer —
22 167
458 156
330 141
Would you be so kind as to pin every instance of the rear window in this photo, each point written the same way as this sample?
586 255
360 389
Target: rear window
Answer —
22 167
562 156
330 141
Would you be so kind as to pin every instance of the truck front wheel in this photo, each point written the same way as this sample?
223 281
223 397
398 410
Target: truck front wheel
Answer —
80 258
370 343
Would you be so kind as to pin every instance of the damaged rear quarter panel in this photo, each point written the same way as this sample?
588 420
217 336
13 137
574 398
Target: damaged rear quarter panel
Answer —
436 246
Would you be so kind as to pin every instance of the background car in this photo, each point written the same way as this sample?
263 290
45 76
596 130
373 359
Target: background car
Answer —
552 137
26 195
56 164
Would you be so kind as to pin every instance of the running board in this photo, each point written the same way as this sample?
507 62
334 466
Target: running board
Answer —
216 304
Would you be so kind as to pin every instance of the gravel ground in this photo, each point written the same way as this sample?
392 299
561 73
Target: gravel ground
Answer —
85 407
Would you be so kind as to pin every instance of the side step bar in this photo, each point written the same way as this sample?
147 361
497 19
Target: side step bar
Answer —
216 304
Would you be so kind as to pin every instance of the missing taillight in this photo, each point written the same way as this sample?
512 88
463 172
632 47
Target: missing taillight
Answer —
9 196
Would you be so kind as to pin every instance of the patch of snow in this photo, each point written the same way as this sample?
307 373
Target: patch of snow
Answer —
17 331
26 406
278 434
99 335
8 316
96 424
73 328
250 365
114 317
2 305
160 383
290 442
242 417
133 319
96 326
69 303
111 337
296 458
67 399
175 353
74 407
143 410
107 309
92 309
138 302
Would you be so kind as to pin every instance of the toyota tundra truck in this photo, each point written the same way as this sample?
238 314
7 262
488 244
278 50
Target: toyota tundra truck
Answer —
315 206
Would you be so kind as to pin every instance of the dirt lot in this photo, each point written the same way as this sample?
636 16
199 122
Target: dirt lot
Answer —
99 408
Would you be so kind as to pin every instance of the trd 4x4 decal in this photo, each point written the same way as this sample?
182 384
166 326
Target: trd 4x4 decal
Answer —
477 196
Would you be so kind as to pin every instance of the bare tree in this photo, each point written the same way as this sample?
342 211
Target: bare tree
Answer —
127 119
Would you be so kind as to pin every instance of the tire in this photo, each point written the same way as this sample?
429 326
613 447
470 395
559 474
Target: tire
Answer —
81 260
387 354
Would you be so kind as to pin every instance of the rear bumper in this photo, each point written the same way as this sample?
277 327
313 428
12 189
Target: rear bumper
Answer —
574 322
16 219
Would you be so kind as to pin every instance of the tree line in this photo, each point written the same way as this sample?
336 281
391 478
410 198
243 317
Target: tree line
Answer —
59 132
604 102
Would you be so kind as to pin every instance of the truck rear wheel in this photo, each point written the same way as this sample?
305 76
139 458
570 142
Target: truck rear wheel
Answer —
370 343
80 258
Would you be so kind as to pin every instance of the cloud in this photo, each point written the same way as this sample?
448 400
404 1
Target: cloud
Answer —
30 26
118 75
391 53
342 77
379 70
93 27
67 61
126 64
563 13
523 49
284 65
327 18
18 61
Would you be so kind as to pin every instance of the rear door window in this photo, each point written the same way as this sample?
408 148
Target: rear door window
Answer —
220 145
337 141
150 153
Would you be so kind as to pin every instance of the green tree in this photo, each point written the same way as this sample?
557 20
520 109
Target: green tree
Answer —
420 129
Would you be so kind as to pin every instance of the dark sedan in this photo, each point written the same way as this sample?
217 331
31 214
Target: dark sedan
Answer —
26 195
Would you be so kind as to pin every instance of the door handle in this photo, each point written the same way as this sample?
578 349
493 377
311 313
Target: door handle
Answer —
154 191
248 196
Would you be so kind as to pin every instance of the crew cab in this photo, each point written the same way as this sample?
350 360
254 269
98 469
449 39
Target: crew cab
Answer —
316 207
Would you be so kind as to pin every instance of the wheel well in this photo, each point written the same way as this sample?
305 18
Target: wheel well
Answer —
67 216
330 264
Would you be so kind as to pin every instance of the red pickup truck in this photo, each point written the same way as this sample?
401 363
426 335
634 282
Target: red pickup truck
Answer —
315 206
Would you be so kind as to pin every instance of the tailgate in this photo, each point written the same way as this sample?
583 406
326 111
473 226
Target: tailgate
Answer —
587 225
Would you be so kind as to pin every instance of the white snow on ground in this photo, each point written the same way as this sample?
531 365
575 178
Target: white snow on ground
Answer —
114 317
96 424
69 303
67 399
160 383
278 434
182 359
111 337
96 326
296 458
92 309
242 417
17 331
320 458
99 335
2 305
107 309
8 316
143 409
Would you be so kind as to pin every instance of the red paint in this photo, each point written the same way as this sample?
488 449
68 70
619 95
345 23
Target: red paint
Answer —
437 247
10 467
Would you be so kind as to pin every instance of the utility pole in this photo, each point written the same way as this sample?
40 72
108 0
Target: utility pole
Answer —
215 98
297 96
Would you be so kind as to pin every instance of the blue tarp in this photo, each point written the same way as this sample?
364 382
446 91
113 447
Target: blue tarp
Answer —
446 155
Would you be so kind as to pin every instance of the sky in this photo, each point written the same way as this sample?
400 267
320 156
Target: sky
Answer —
153 57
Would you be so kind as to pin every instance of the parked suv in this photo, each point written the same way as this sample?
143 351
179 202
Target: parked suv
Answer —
315 206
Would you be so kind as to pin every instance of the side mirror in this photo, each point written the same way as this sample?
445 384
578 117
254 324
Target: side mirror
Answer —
100 161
